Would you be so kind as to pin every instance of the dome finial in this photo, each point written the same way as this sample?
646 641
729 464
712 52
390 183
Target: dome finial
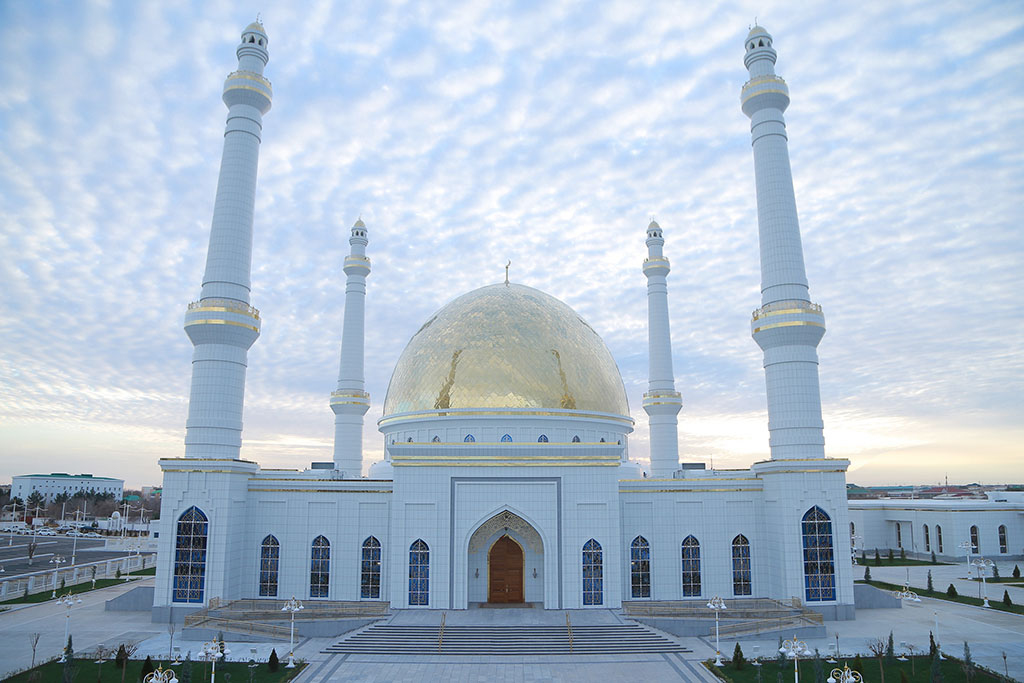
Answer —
506 272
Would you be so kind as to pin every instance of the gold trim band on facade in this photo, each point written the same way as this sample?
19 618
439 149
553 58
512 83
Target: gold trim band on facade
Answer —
764 92
399 456
335 402
462 463
208 321
320 490
266 94
501 412
224 309
787 311
790 323
687 490
249 76
468 444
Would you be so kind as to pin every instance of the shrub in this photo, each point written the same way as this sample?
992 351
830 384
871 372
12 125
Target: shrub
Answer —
995 571
273 664
863 556
117 574
951 591
1016 572
878 558
967 663
932 645
903 554
935 675
931 586
1006 598
121 658
890 650
738 660
867 573
147 667
934 561
858 663
890 555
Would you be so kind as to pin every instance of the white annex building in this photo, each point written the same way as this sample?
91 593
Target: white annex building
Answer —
52 485
506 476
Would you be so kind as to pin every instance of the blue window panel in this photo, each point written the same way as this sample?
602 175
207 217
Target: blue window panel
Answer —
369 571
593 574
419 573
640 568
270 558
691 567
190 556
819 558
320 568
741 583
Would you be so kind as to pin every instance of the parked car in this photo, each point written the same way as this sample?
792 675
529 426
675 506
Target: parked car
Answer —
92 534
46 532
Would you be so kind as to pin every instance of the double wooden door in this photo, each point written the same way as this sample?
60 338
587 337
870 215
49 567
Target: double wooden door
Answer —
505 563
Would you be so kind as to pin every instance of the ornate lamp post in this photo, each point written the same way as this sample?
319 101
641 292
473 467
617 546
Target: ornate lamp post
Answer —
56 561
67 602
718 604
793 649
982 564
966 547
131 548
214 650
853 546
906 594
292 606
938 648
845 675
160 676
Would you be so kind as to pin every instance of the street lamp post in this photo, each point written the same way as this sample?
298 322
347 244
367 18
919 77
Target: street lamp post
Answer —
967 547
56 561
982 564
131 548
793 649
718 604
292 606
67 602
160 676
214 649
853 546
938 643
844 675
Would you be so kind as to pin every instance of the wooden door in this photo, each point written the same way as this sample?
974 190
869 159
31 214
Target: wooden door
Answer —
505 561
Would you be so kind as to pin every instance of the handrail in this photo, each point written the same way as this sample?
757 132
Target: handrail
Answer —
568 628
440 633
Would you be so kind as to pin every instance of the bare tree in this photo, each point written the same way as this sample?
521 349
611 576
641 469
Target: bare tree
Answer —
878 646
33 638
31 551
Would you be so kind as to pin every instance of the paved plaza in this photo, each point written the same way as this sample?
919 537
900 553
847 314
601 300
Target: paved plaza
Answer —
989 632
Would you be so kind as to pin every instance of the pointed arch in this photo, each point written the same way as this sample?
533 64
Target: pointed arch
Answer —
270 559
1004 546
369 569
320 568
190 545
819 557
469 438
576 438
975 539
691 567
741 584
639 568
543 438
507 438
419 573
593 573
927 539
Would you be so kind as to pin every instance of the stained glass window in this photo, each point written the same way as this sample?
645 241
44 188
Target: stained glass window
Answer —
419 573
975 543
506 439
927 539
741 566
190 556
819 560
369 569
270 557
899 535
543 438
593 574
691 567
1003 545
320 568
576 439
640 568
938 537
469 438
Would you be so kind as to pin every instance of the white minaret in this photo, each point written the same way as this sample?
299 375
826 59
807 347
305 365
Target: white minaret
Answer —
661 402
222 325
350 402
788 326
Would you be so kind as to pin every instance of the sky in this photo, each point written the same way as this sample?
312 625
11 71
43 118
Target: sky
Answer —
468 134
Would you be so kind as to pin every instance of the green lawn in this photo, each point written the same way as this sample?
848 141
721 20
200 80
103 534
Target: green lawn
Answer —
918 670
87 670
83 587
994 601
1001 579
895 562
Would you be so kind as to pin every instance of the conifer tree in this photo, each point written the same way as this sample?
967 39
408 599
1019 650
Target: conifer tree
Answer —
186 668
1016 571
68 674
931 586
867 573
932 646
878 558
273 663
738 660
935 675
951 591
995 572
147 667
890 555
1006 598
968 663
934 561
890 650
903 554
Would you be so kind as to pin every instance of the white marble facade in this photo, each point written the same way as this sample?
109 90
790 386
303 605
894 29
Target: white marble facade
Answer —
506 416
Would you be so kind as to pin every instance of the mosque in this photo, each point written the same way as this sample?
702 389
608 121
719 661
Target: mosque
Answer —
506 478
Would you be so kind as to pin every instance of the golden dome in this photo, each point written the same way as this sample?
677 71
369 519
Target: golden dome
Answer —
506 346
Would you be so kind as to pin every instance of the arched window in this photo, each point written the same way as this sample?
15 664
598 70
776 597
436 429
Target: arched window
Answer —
469 438
1003 545
506 439
437 439
270 557
543 438
190 556
975 542
927 539
691 567
741 566
819 560
576 439
899 535
419 573
369 569
602 439
640 568
593 574
853 530
320 568
938 537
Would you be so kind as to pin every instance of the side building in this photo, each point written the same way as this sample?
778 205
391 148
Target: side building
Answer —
52 485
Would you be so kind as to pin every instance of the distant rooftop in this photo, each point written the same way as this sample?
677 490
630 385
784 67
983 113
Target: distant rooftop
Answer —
69 476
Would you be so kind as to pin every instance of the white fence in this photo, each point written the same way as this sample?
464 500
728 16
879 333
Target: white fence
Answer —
47 580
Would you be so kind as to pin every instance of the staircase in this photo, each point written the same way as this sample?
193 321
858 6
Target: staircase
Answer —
603 639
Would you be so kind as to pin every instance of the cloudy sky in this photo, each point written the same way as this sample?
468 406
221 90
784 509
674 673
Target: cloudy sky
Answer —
545 133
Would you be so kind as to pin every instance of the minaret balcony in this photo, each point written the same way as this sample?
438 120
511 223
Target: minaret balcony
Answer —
764 92
782 323
356 265
350 401
222 321
248 87
654 266
662 402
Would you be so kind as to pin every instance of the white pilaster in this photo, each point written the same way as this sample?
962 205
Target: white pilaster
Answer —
788 326
661 402
350 402
222 325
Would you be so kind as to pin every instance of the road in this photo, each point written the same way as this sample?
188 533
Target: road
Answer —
14 552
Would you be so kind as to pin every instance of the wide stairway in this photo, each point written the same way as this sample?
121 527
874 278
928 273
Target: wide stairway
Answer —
600 639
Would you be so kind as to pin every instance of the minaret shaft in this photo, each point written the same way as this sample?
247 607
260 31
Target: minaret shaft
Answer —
222 325
788 326
350 402
661 402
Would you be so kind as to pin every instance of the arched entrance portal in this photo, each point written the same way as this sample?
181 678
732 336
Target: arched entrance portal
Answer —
505 571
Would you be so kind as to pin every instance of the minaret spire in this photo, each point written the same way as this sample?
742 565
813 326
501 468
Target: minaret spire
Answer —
350 402
788 326
661 402
222 325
